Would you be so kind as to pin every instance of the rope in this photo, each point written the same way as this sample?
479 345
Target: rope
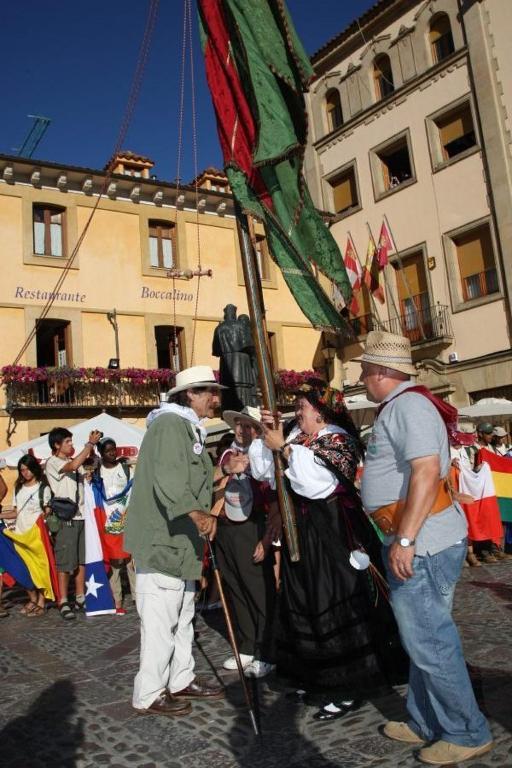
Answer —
127 117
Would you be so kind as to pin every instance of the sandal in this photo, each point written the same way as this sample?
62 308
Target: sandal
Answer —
66 612
28 608
37 611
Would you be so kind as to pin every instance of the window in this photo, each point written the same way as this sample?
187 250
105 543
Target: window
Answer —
48 221
333 107
456 132
413 297
383 77
475 258
440 36
53 343
392 165
170 347
262 257
162 244
344 191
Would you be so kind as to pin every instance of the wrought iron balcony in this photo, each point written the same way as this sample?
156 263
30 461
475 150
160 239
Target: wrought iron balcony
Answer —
28 388
428 324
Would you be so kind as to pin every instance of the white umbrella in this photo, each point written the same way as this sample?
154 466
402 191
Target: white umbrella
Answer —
487 407
125 436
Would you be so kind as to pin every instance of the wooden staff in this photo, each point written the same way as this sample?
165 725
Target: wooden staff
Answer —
266 374
232 638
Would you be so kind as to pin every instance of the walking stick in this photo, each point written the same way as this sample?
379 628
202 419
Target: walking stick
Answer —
232 638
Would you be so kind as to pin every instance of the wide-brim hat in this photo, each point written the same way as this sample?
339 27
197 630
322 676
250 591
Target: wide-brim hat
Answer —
500 432
193 378
249 415
390 351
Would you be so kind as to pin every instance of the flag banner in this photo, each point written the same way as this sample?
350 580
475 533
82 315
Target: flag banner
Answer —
257 73
483 515
385 245
501 468
354 272
110 516
372 272
98 595
12 563
35 550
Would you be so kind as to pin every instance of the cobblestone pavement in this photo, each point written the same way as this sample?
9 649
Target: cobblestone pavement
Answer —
66 688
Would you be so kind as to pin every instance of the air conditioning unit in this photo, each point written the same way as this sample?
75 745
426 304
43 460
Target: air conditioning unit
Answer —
453 357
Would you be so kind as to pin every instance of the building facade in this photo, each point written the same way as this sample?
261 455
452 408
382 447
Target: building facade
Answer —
142 228
410 120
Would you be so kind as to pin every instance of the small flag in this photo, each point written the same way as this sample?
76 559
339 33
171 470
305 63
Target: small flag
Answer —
483 514
354 272
98 595
372 271
501 468
385 245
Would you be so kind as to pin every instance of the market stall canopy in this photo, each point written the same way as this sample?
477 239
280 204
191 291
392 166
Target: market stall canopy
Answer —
487 407
127 437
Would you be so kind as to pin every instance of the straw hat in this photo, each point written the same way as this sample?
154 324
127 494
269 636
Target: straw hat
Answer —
194 378
390 351
248 415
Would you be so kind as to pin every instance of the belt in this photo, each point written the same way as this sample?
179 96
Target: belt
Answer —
388 518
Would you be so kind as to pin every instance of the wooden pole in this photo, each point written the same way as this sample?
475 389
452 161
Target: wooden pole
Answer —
390 292
266 374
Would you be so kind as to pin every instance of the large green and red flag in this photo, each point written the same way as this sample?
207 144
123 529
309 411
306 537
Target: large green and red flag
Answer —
257 73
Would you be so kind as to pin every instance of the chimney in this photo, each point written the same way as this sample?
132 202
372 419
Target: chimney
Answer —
130 164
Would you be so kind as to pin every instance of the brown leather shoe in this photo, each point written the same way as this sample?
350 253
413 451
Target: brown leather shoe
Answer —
200 688
167 705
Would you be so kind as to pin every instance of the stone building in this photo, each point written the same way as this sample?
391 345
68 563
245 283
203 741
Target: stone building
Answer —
410 119
142 228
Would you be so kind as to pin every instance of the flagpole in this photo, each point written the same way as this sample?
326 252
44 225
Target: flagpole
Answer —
390 292
405 281
266 377
372 297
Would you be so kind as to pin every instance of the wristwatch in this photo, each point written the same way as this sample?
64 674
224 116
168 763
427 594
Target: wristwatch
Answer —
404 541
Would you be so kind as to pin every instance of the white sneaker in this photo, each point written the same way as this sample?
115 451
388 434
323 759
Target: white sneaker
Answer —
258 668
231 662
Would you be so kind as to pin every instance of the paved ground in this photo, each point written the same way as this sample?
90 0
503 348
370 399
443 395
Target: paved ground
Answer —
65 698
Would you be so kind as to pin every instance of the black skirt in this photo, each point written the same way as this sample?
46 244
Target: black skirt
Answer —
336 628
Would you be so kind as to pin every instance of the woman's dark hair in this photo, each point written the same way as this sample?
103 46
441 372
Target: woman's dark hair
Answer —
31 463
339 418
102 445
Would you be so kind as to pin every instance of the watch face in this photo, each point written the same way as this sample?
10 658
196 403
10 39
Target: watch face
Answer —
405 542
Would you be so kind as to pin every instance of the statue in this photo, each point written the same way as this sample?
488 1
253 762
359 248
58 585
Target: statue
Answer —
232 343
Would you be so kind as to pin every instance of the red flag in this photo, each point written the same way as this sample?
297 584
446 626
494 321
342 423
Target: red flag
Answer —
354 273
372 271
385 245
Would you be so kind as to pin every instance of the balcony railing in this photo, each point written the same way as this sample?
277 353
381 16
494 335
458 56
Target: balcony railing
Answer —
418 325
52 388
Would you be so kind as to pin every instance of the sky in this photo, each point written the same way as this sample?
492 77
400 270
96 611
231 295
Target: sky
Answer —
73 61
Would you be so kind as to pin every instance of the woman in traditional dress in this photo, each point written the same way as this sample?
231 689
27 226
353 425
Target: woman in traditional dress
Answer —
337 633
112 484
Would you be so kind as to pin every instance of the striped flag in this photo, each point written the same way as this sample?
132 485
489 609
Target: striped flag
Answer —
371 275
385 245
483 514
98 595
354 273
501 468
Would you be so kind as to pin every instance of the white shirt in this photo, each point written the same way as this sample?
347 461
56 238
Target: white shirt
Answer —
114 479
307 474
63 484
27 506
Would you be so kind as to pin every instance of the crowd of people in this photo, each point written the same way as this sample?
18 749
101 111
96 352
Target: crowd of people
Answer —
368 603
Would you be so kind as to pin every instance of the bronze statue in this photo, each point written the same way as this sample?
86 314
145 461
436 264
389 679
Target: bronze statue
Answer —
232 343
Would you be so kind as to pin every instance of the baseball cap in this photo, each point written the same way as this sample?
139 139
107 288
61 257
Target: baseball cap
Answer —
485 428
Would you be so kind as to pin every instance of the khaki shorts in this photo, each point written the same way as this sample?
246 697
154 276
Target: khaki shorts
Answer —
70 546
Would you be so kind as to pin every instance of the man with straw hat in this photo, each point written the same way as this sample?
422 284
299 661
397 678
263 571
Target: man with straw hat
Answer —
404 489
168 516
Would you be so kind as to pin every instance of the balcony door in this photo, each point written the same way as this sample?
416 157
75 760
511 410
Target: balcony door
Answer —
53 343
413 298
170 349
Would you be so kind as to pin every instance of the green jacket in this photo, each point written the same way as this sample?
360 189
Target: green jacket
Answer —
170 481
